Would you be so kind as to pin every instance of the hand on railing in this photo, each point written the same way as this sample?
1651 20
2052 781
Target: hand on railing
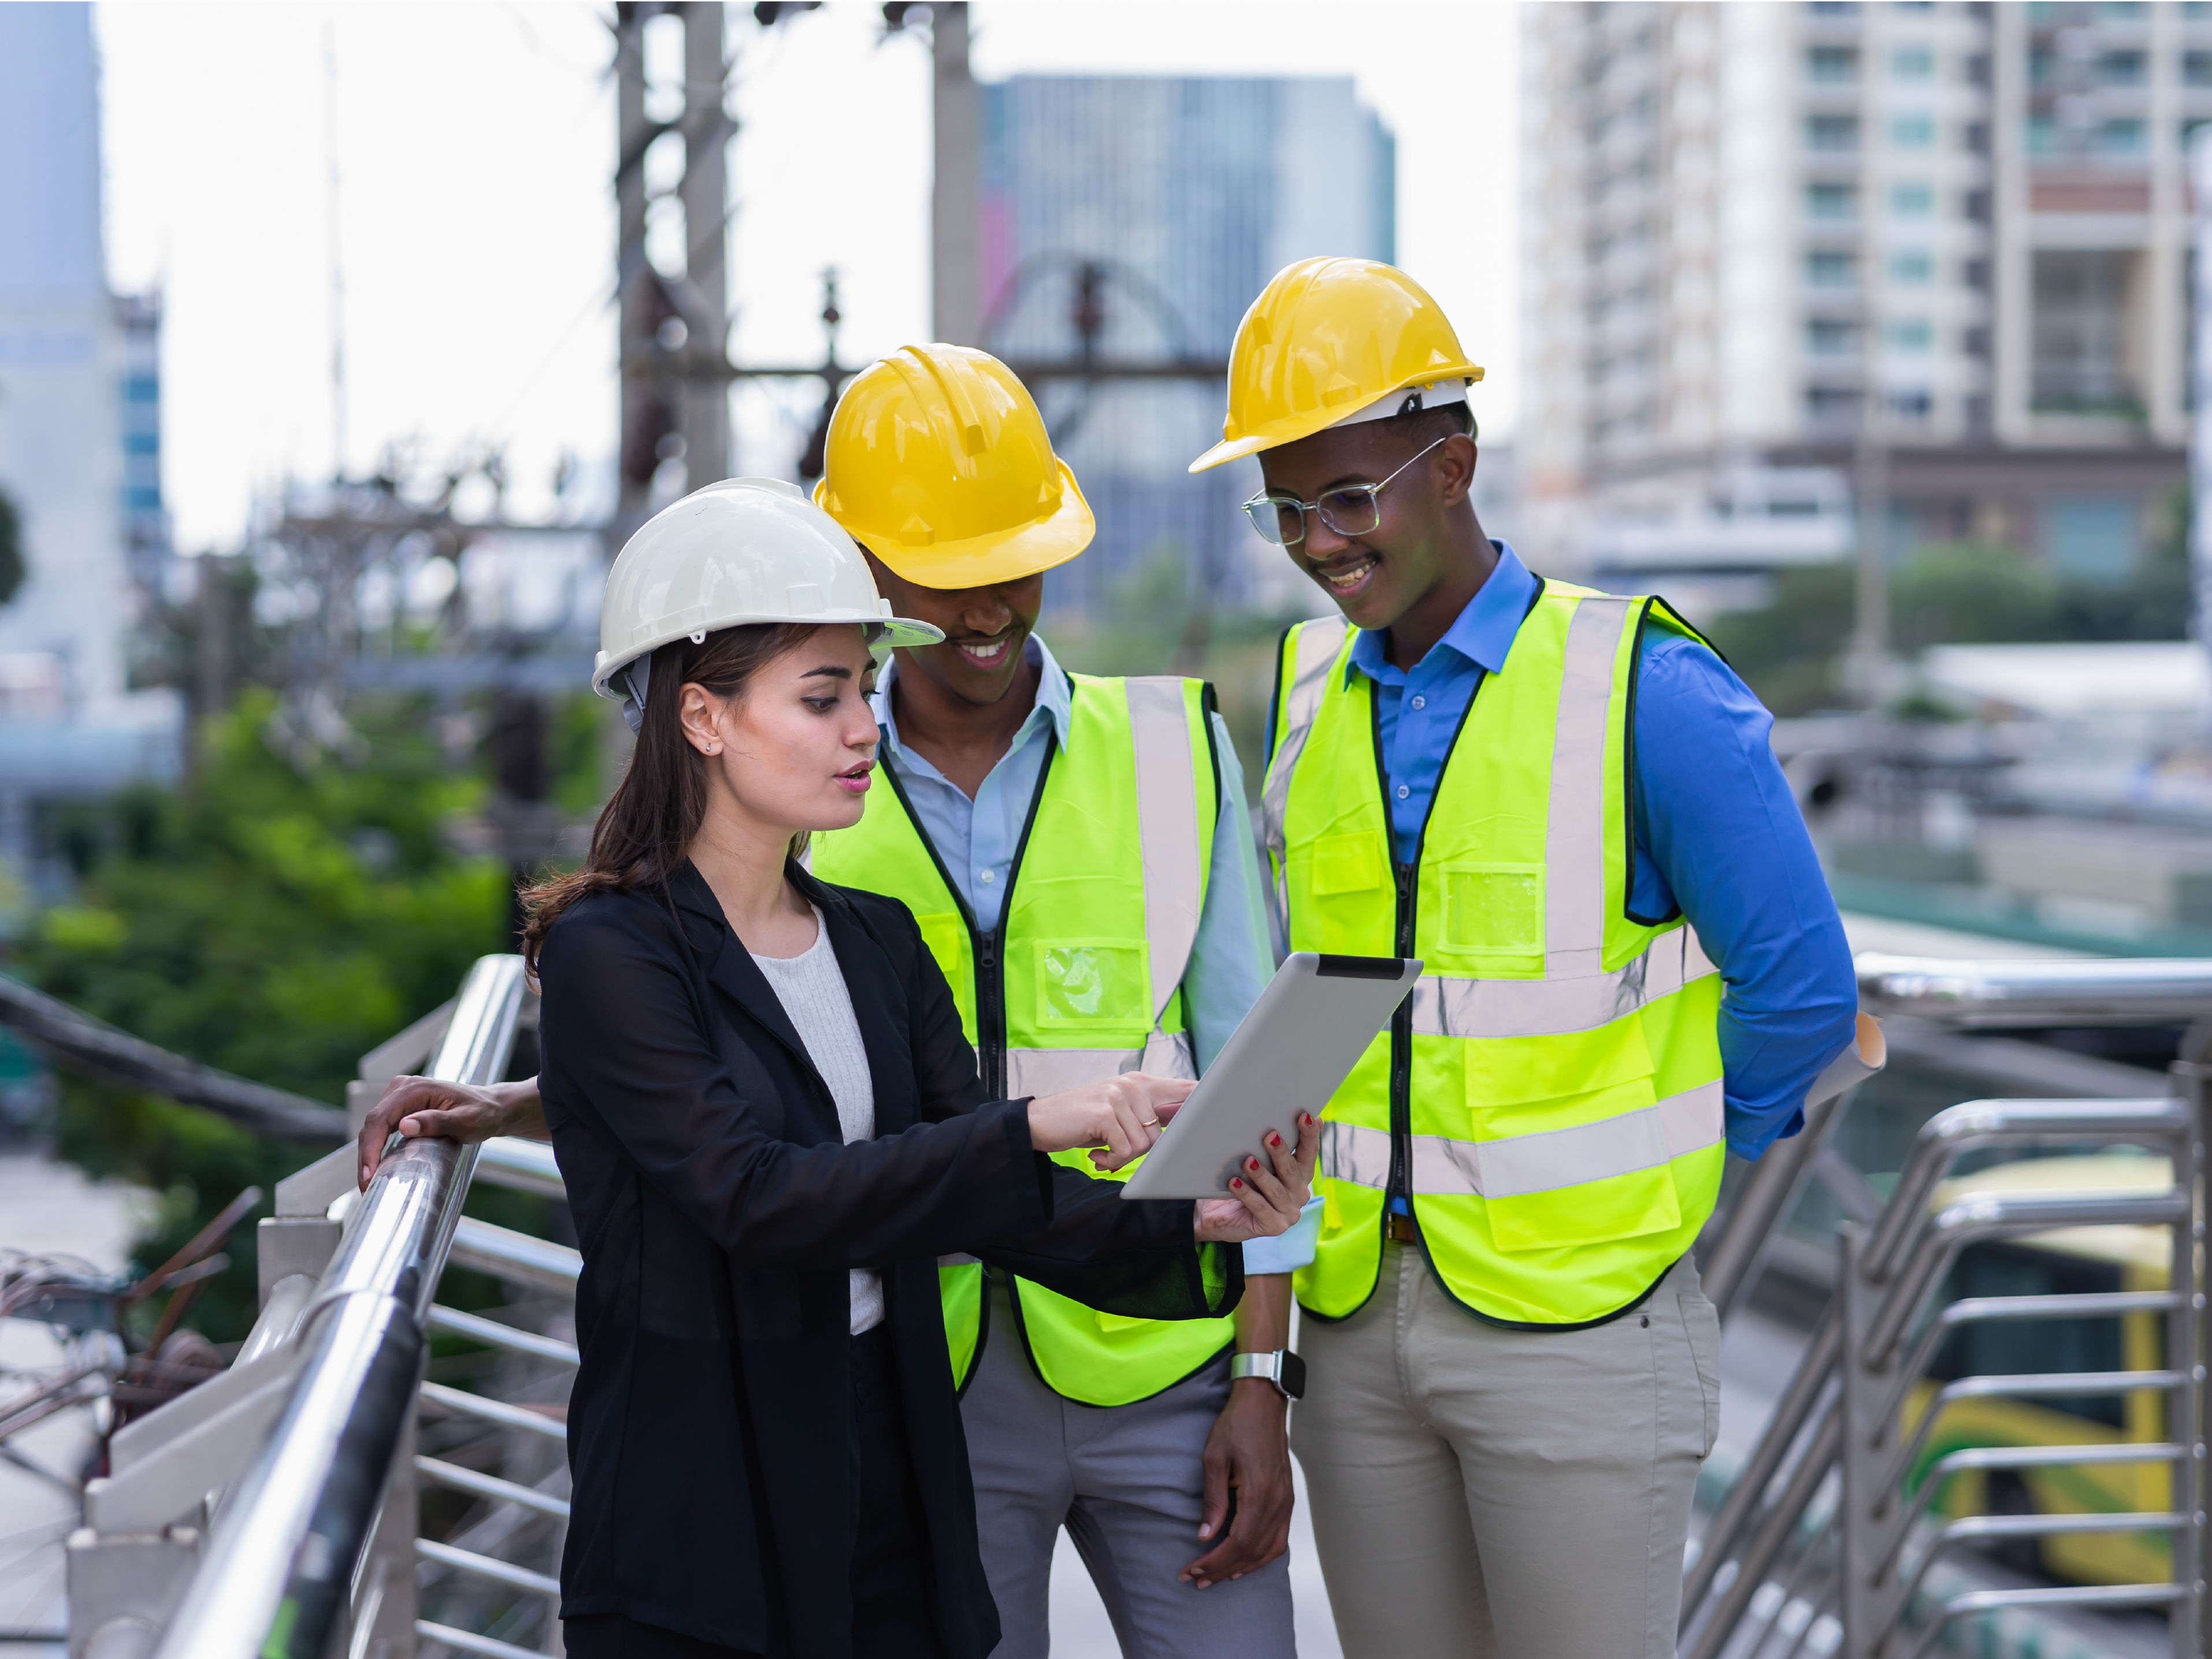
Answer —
417 1106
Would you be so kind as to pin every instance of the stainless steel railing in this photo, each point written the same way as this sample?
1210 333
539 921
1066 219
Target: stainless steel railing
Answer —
1826 1540
273 1511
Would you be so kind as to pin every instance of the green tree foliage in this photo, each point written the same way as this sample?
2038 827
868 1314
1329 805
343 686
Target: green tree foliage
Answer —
274 922
1964 594
13 569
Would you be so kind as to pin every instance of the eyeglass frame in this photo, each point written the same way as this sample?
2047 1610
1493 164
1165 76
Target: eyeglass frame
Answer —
1375 490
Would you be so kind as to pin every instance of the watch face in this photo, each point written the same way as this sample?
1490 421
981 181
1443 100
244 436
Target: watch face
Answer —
1293 1381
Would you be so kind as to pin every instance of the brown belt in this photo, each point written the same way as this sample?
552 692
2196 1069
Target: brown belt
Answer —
1403 1228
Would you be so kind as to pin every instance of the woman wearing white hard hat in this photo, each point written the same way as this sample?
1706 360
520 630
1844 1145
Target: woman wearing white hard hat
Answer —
770 1126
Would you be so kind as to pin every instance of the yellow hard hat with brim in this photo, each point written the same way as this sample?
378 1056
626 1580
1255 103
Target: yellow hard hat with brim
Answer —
1325 339
939 464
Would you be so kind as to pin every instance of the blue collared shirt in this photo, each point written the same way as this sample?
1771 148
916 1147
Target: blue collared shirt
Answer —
1717 835
1231 962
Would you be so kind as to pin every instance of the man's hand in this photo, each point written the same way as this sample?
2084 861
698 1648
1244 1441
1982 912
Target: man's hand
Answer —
1247 1454
455 1111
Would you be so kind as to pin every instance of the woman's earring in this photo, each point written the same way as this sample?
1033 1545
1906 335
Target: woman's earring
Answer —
714 748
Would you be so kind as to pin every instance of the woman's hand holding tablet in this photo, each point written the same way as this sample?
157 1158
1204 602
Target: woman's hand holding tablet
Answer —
1263 1201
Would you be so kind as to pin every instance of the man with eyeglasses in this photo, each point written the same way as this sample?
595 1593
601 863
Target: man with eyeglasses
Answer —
1564 803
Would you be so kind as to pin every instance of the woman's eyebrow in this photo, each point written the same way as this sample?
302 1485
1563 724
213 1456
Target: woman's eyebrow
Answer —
828 670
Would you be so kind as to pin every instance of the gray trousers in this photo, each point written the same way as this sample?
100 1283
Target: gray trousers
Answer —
1486 1493
1126 1482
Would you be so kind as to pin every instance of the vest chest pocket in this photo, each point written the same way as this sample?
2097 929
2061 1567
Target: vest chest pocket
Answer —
1494 909
1341 887
1093 982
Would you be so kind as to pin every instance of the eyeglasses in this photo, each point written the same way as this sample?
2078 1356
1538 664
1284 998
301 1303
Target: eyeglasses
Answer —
1348 509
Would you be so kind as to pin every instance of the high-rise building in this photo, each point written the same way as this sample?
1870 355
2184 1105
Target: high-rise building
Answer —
1759 240
1135 218
79 443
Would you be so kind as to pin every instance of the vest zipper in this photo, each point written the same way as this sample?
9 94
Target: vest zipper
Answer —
1407 881
1402 1043
990 1007
989 950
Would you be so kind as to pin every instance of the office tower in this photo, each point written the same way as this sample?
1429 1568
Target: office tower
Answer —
79 394
1135 218
61 446
1762 242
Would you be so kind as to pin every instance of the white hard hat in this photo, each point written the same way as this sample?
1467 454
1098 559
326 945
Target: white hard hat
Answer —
743 550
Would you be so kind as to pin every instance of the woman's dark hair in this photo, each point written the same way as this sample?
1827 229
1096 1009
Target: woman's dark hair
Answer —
645 831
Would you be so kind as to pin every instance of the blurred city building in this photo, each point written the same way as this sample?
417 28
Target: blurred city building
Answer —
1759 240
1126 222
80 443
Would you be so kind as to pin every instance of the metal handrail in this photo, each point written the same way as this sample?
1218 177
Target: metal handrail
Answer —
284 1549
1873 1339
2085 991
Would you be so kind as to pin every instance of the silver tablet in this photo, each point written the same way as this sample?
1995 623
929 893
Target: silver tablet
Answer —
1301 1040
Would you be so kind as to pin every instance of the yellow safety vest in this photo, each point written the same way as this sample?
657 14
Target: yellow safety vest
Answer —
1081 980
1548 1098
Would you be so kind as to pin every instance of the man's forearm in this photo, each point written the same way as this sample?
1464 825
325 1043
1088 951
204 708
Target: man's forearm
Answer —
524 1111
1263 1317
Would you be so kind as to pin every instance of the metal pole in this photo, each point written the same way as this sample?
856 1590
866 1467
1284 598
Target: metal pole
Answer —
955 275
1870 641
643 419
2200 422
707 129
2191 1427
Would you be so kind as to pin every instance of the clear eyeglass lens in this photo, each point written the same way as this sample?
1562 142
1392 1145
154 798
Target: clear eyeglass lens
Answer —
1279 521
1350 512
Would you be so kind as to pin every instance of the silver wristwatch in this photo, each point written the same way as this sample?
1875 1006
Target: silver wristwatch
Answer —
1282 1368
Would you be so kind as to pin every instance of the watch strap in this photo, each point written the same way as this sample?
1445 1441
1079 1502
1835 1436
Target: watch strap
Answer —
1280 1367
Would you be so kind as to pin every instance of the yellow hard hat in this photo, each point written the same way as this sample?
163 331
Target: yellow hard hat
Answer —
1326 338
939 464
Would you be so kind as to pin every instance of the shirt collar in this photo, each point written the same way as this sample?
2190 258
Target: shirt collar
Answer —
1055 699
1483 633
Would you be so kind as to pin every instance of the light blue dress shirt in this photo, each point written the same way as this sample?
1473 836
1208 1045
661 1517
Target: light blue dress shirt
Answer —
1718 836
1231 962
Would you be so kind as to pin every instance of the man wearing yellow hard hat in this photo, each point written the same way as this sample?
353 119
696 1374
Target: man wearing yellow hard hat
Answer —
1077 854
1564 803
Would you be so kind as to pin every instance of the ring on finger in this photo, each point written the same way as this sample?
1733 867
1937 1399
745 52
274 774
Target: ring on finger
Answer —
1152 1123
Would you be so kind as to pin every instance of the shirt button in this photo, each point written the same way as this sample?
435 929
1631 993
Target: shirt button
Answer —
1403 792
987 875
1420 702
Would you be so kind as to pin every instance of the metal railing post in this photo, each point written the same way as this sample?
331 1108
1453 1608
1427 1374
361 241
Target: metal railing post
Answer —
1863 1449
2190 1430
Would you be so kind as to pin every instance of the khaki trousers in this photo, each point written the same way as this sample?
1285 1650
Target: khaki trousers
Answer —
1486 1493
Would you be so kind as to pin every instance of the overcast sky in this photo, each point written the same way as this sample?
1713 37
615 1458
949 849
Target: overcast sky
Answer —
475 147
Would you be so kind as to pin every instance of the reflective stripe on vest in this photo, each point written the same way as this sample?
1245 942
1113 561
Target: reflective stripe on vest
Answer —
1118 827
1552 1096
1548 1161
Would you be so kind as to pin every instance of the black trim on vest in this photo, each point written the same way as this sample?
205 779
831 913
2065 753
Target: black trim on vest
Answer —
1537 1326
1275 702
982 1333
1013 1284
1628 781
1208 706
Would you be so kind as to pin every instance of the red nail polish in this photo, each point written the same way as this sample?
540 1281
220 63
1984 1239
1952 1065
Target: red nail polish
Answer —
1274 1140
1236 1183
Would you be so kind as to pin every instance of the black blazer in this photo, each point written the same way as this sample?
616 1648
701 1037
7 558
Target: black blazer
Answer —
719 1211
